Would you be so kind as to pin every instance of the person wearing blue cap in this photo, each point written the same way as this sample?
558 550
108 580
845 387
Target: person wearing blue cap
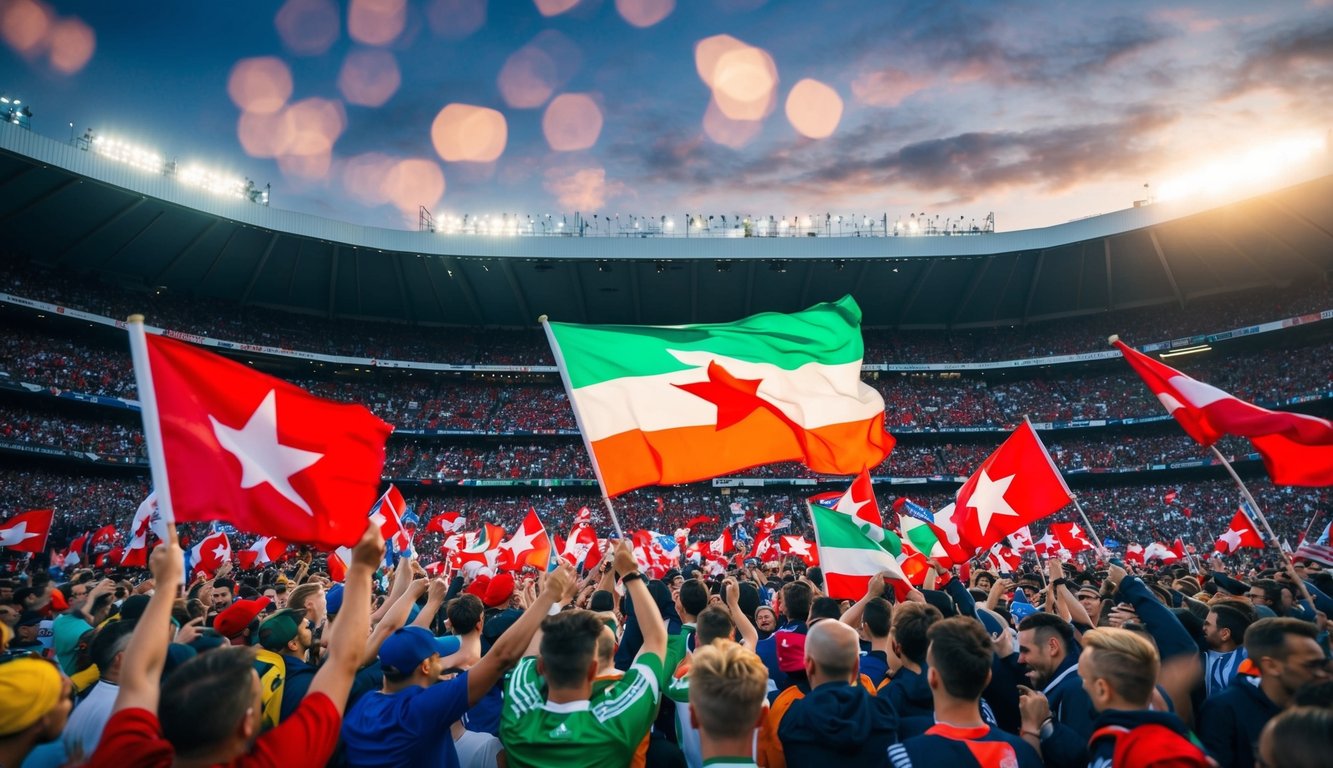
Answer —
406 723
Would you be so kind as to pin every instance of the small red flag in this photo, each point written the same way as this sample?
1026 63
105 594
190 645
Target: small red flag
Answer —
1241 533
27 532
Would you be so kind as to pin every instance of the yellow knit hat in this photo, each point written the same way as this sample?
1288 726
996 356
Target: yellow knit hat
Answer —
29 688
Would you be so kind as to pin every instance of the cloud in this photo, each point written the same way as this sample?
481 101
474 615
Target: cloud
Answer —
1296 59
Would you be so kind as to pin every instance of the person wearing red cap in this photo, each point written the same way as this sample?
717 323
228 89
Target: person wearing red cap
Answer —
237 621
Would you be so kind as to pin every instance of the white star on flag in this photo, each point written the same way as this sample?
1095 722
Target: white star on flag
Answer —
263 459
16 535
797 547
1232 539
222 552
988 499
521 542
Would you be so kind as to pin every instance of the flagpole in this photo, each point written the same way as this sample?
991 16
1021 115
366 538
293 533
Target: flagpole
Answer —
578 420
152 424
1291 569
1095 538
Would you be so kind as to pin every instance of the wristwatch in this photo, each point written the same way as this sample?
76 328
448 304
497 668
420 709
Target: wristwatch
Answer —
631 576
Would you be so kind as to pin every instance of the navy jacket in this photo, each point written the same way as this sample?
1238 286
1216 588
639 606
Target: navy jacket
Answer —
839 725
1072 711
910 693
1230 722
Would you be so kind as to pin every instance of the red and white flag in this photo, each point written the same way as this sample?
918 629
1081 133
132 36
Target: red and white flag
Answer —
27 531
1021 540
528 546
1002 559
446 523
211 552
1071 537
481 547
265 550
1297 449
1015 486
339 559
1048 546
258 452
1159 551
719 548
1241 533
1134 554
388 514
798 546
148 521
581 546
1169 497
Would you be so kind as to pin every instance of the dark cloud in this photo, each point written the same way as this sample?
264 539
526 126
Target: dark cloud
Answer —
1297 59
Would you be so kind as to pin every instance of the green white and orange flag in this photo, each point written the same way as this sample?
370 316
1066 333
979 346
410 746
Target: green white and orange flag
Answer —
847 554
675 404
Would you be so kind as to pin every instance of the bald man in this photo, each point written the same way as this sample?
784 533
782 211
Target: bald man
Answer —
839 720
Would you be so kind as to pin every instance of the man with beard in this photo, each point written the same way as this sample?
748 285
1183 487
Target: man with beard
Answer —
1057 713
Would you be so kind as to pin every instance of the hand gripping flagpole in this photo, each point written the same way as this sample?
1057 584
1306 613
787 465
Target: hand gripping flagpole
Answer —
152 425
1254 505
578 420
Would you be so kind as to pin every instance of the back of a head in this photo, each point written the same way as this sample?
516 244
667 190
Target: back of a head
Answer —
960 653
204 699
824 608
110 641
1268 637
1299 737
602 600
693 596
568 646
796 598
1125 659
911 623
727 688
878 616
834 647
464 612
299 597
714 623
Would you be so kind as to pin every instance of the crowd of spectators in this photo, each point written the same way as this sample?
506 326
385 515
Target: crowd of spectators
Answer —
257 325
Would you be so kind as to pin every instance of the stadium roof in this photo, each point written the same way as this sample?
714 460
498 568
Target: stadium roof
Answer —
71 209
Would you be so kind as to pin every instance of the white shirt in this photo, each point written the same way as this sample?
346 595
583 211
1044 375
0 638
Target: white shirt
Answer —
477 750
85 725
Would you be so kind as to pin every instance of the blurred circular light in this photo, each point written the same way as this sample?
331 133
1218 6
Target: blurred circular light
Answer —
363 177
261 85
414 182
25 25
814 109
369 77
308 27
467 133
554 7
727 132
376 22
528 78
744 83
573 121
72 44
645 13
263 135
455 19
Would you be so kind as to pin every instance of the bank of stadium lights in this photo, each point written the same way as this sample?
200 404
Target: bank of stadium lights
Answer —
15 112
191 175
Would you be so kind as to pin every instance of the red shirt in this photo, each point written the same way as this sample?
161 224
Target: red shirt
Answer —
307 738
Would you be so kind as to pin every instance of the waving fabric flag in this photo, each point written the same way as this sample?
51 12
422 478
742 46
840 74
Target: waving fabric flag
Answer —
1013 487
234 444
1297 449
211 552
529 546
446 523
147 521
1071 537
848 556
1317 550
1241 533
798 546
675 404
265 550
27 532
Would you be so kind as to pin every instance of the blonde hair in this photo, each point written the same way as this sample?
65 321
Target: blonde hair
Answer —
298 597
727 688
1125 659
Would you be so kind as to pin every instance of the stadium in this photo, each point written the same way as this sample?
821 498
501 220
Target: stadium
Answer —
967 332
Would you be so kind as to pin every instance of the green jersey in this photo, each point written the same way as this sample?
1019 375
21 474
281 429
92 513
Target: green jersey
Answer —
601 732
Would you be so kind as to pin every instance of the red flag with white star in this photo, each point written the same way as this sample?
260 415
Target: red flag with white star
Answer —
1013 487
1241 533
528 546
260 453
211 552
27 532
1071 537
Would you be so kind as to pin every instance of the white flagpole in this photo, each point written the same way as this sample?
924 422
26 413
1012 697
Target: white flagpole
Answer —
152 425
578 420
1291 569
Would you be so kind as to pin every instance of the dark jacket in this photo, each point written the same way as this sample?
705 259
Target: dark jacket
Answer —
1072 711
1230 722
910 693
838 725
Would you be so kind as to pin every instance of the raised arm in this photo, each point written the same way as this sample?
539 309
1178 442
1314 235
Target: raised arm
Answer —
394 618
852 616
749 635
348 636
651 625
141 667
511 645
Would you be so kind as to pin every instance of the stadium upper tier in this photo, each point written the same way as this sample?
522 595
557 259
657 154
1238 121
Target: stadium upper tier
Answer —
77 210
